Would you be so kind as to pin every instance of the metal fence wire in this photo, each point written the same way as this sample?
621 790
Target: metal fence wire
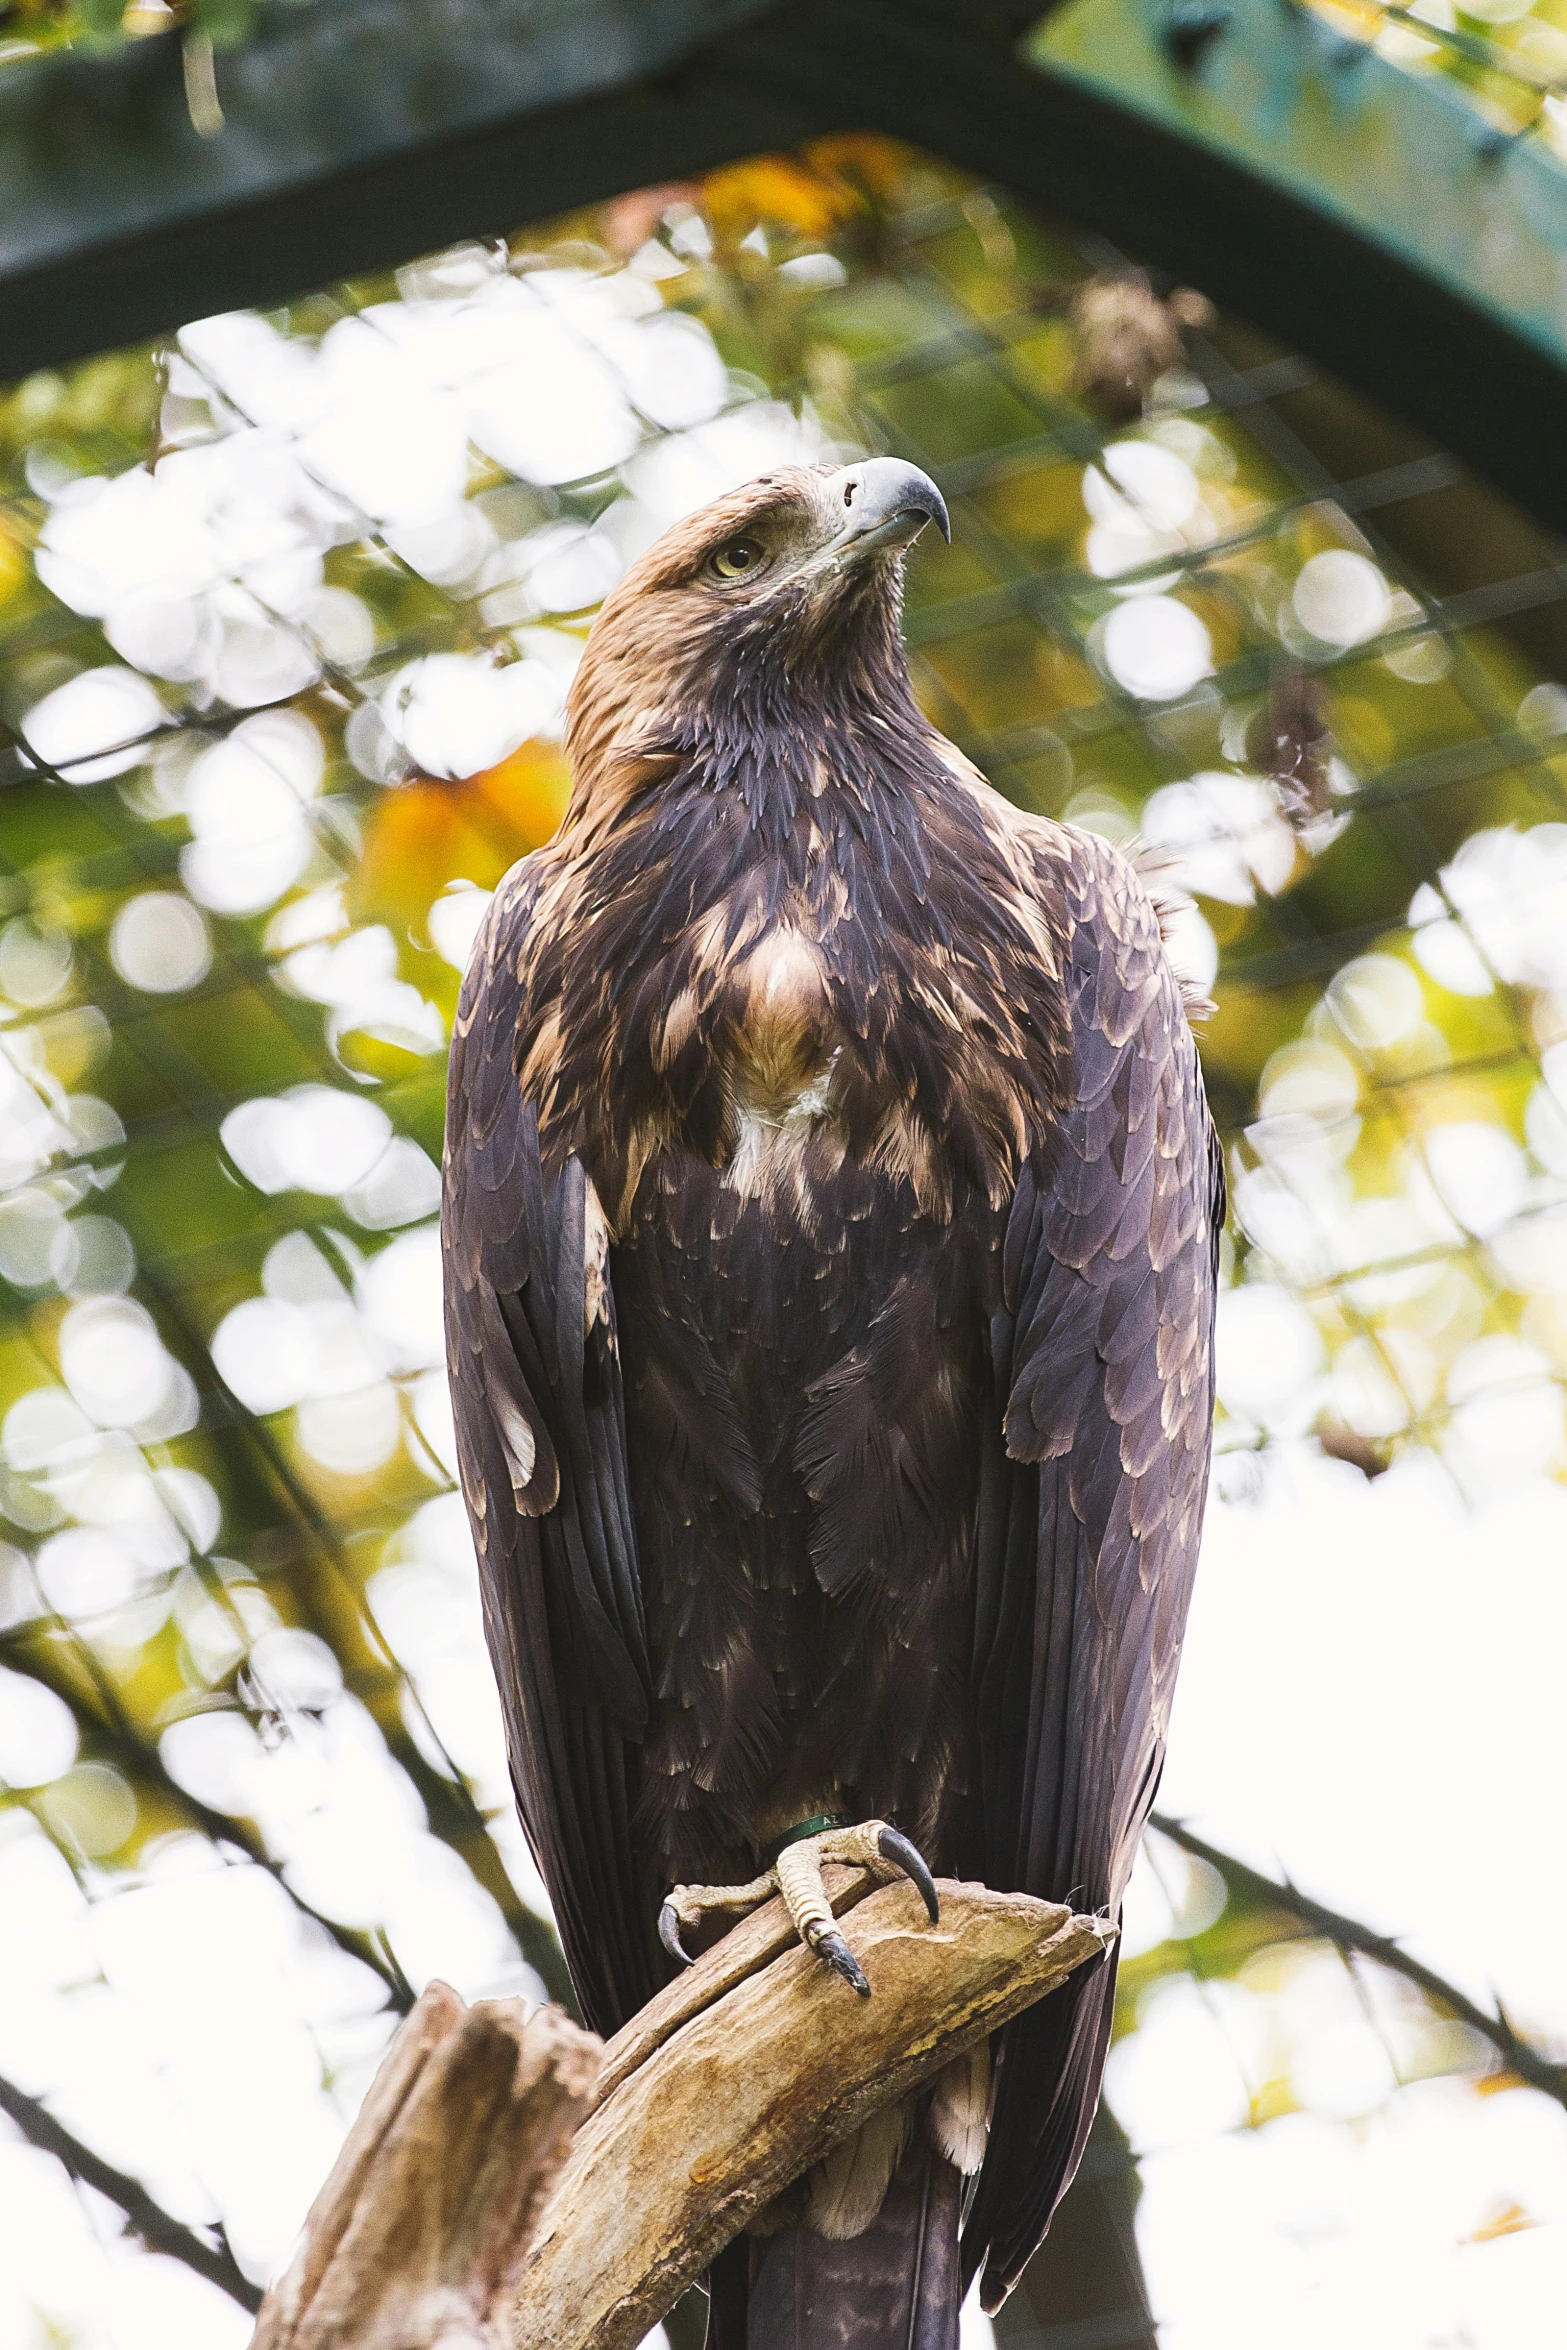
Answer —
287 613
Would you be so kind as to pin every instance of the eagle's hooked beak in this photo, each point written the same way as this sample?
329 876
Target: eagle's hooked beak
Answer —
886 504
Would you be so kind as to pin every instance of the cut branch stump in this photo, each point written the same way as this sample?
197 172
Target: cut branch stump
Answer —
416 2240
516 2181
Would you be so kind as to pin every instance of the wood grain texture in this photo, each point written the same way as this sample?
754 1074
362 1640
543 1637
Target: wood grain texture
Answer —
744 1950
416 2238
722 2114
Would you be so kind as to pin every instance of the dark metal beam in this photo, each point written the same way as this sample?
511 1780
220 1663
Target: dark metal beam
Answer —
357 133
1357 212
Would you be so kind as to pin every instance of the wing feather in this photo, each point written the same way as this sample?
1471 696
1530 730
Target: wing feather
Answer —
540 1420
1091 1503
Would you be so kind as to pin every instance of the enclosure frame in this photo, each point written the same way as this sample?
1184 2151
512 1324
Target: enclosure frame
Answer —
1248 149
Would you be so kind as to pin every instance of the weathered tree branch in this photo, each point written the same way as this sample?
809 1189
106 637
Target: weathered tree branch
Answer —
1349 1934
416 2238
434 2231
158 2229
372 2158
756 2077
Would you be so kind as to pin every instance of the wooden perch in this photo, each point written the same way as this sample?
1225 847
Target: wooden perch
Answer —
760 2078
463 2213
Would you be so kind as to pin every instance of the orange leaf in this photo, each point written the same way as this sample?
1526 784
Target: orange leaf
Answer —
423 835
781 191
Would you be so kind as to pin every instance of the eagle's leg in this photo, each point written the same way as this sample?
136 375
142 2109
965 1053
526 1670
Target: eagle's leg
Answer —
870 1845
797 1875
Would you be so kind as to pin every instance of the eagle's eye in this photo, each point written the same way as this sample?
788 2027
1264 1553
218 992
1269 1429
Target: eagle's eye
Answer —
740 559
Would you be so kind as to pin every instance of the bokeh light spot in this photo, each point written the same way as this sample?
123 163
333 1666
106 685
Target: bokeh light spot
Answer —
158 942
1156 648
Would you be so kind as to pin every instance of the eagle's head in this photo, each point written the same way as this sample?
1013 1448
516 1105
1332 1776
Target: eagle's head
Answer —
777 603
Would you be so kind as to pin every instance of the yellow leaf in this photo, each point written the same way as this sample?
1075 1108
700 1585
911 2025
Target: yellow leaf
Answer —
780 191
13 565
1506 2219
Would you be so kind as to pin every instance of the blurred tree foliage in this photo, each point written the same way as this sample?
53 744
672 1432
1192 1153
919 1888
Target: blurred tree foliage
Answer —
30 28
247 818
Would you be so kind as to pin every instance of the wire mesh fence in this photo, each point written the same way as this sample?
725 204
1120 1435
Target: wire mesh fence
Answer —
287 614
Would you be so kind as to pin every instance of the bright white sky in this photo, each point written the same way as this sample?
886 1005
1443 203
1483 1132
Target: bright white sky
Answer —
1370 1702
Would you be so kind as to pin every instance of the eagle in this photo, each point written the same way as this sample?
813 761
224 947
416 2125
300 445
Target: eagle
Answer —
830 1227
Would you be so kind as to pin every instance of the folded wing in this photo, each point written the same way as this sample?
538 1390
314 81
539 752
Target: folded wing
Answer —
1091 1508
540 1422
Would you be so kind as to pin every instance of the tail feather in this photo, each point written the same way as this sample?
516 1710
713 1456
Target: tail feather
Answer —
728 2291
1050 2064
896 2286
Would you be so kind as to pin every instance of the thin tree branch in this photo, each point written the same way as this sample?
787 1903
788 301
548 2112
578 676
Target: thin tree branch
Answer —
116 1737
147 2219
451 1805
1518 2054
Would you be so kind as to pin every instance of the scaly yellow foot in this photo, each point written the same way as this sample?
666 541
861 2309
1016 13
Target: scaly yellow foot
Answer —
797 1875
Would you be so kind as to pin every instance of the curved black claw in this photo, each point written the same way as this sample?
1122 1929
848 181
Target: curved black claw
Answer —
908 1857
669 1933
843 1962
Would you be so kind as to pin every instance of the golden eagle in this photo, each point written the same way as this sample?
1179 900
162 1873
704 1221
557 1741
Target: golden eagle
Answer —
830 1226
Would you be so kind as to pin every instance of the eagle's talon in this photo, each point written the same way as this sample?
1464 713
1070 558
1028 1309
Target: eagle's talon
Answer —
897 1849
687 1906
797 1875
669 1934
834 1949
